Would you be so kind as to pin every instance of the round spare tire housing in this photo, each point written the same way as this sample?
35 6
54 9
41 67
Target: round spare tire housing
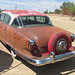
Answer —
59 43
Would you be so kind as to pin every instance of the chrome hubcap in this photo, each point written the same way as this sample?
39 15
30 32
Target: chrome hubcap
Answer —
61 45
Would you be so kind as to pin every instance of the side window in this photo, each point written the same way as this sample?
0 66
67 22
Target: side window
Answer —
6 19
2 17
31 18
15 23
40 19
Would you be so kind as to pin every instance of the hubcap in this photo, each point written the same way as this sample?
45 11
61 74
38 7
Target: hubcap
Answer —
61 45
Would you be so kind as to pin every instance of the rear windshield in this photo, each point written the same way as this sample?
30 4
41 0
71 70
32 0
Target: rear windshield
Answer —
34 20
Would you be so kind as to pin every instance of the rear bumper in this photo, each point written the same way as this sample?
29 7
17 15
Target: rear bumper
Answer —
50 59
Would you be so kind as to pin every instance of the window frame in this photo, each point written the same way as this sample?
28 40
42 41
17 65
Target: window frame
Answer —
3 17
19 25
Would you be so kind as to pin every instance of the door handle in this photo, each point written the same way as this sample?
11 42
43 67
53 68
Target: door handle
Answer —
4 29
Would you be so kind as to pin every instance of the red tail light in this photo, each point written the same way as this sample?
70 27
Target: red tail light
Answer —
31 44
33 48
72 37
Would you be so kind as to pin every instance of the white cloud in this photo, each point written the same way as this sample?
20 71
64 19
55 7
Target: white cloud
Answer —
46 4
72 1
37 5
6 7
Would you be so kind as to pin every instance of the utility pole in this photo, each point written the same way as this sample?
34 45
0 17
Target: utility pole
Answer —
15 7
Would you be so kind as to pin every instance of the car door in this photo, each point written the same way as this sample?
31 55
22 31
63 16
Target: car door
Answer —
4 23
2 28
10 33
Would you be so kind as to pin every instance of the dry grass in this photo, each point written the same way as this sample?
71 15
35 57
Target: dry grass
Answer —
63 22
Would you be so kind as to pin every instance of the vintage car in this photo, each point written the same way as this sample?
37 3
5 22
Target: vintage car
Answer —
31 36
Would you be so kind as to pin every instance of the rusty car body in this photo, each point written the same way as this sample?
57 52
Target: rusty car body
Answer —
31 36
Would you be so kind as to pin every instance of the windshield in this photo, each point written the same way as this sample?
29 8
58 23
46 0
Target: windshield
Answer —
34 20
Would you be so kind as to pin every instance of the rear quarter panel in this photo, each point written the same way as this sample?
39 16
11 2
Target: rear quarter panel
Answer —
18 41
21 43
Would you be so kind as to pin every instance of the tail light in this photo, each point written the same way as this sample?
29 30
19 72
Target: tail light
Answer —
33 48
72 37
31 44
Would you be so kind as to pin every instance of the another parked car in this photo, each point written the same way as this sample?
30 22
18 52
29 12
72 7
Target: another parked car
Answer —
31 36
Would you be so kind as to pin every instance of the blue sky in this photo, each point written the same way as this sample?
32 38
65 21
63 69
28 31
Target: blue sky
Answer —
36 5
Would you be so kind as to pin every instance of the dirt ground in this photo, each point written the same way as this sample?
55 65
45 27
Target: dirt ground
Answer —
12 66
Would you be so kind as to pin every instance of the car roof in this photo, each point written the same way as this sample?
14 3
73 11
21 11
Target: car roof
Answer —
18 13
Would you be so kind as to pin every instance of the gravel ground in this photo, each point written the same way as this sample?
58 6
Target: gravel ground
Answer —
12 66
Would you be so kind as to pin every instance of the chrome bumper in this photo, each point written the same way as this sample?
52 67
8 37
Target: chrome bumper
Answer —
51 59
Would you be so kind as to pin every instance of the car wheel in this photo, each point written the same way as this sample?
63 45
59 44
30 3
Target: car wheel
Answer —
59 43
14 54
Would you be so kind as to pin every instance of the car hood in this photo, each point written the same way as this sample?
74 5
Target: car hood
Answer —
42 34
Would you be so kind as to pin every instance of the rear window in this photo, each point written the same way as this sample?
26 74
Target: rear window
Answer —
35 20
